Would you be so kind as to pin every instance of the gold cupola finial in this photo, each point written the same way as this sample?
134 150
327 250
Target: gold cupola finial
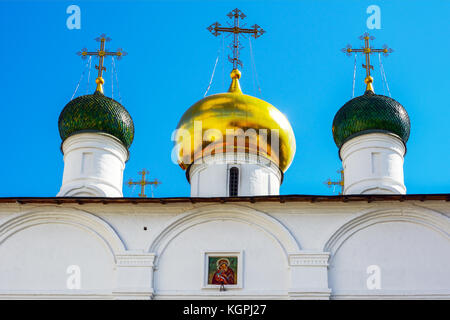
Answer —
101 54
367 50
235 87
99 81
368 81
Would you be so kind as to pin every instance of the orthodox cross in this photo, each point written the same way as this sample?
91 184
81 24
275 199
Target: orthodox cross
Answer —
255 31
339 183
143 183
101 54
367 50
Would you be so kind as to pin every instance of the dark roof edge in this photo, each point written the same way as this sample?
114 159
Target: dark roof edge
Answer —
280 198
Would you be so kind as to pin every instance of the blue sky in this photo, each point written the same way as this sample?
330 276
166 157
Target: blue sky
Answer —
170 60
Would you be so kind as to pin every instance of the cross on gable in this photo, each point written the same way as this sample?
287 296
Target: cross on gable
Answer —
143 183
339 183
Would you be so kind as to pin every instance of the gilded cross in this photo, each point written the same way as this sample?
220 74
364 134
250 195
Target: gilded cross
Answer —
339 183
101 54
143 183
367 50
255 31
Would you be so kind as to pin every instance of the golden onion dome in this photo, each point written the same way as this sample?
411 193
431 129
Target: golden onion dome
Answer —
233 110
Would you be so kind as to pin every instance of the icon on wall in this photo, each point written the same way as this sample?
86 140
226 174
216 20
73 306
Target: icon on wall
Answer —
222 270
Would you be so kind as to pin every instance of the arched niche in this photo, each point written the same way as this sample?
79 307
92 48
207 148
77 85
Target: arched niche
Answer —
43 248
263 243
391 253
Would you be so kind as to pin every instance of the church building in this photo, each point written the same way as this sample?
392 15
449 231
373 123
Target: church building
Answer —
235 237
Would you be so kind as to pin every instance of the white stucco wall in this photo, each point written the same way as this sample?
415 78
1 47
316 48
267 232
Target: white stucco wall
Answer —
261 255
373 164
257 176
290 250
93 166
38 258
412 259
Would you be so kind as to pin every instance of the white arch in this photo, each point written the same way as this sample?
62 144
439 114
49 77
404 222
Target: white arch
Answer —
428 218
215 212
61 215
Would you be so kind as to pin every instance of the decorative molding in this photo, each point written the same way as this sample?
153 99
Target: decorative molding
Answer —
309 259
135 260
436 221
56 295
216 295
134 275
215 212
391 294
309 294
61 215
133 294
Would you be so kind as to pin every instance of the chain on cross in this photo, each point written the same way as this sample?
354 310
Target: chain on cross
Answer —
255 31
367 50
101 54
143 183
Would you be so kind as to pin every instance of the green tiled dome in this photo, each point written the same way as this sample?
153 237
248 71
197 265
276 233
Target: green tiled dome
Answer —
370 113
96 113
